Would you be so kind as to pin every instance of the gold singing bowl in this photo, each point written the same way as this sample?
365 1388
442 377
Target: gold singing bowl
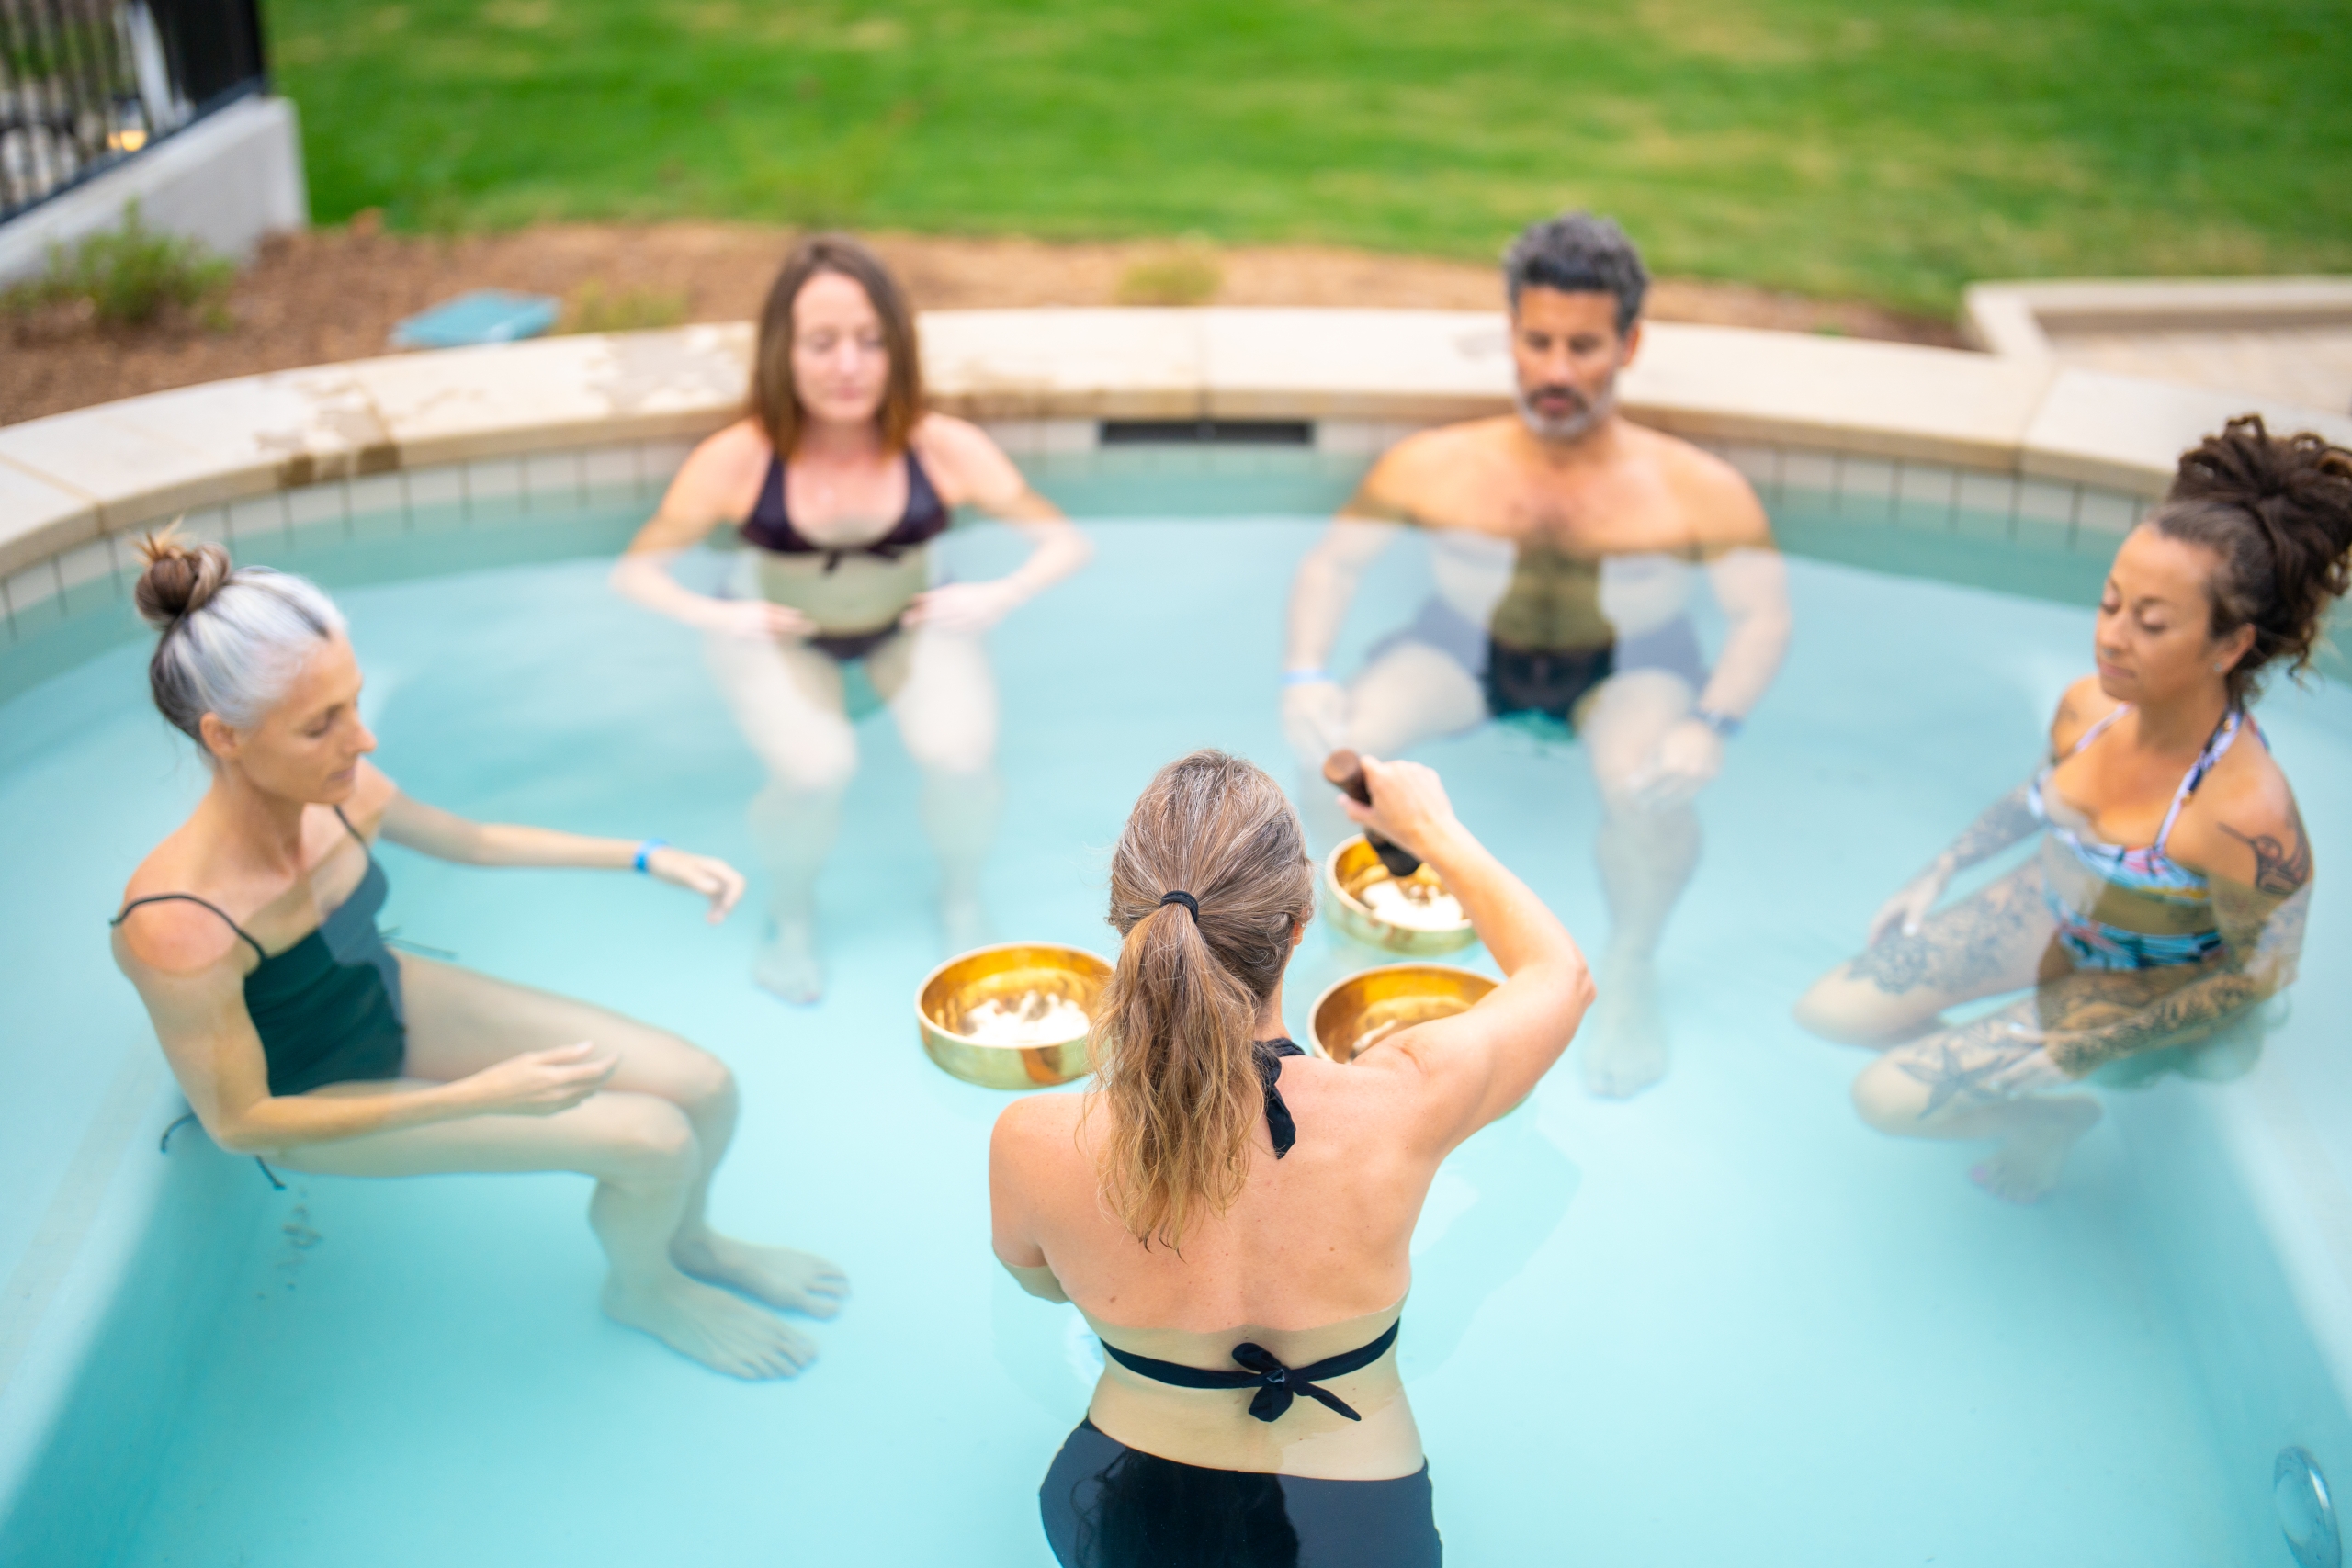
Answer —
1359 1012
1004 973
1353 867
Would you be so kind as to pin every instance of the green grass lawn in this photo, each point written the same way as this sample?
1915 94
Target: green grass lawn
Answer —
1829 146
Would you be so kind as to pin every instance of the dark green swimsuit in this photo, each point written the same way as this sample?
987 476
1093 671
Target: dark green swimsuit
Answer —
327 1009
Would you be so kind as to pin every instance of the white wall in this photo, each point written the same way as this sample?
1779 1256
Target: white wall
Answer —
226 180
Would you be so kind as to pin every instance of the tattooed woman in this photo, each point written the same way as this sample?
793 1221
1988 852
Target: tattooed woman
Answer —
2168 893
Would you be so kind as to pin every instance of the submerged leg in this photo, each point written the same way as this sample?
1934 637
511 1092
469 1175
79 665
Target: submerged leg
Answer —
642 1153
1646 855
789 701
1993 941
461 1021
1942 1087
944 696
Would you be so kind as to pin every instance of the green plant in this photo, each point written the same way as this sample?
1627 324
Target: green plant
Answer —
592 308
1187 275
128 277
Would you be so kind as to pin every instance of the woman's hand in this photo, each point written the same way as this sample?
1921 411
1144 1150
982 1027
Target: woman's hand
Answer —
1909 907
964 608
713 878
1408 805
755 620
540 1083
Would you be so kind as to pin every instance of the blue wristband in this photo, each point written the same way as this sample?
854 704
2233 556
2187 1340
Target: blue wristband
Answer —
1303 677
1724 724
645 851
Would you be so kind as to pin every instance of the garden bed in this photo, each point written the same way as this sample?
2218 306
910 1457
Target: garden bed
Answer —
334 294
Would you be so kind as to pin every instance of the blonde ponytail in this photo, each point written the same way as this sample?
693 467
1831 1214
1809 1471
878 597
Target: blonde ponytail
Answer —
1172 1040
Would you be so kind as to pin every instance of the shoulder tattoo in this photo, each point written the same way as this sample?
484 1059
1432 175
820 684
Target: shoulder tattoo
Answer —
2280 866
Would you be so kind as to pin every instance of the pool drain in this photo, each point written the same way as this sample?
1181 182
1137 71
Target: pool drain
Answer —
2306 1513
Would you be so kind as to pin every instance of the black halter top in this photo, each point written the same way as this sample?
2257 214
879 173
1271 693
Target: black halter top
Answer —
770 525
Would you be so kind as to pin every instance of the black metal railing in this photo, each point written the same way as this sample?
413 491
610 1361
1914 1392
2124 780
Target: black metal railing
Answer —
86 83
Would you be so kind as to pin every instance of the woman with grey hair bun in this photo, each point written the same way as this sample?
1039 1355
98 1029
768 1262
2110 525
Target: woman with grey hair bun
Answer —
301 1038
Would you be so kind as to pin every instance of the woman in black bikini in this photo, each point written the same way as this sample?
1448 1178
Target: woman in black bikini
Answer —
835 446
299 1037
1251 1412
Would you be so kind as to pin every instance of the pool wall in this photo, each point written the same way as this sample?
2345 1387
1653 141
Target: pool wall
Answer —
1967 466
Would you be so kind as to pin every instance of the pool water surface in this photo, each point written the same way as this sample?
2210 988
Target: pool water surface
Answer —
1721 1323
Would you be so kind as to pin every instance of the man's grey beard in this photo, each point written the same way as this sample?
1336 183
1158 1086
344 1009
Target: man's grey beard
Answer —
1569 428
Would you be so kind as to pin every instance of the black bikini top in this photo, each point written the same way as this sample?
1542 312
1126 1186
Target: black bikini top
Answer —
1278 1125
1277 1385
770 525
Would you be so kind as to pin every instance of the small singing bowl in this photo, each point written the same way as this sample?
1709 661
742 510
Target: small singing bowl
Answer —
1352 869
1005 974
1359 1012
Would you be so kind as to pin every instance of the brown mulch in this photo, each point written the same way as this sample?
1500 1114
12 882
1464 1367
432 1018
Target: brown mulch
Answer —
334 294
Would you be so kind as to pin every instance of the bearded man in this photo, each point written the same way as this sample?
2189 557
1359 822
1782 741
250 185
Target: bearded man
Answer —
1566 543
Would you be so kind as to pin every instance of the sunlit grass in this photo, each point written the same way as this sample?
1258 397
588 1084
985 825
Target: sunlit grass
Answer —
1833 148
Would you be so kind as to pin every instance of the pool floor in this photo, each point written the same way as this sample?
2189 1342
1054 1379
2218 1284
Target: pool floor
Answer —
1723 1322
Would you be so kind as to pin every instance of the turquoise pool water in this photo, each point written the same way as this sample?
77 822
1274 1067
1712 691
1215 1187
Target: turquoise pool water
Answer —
1723 1323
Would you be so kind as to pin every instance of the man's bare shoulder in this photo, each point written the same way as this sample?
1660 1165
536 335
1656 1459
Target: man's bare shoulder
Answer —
1722 506
1423 471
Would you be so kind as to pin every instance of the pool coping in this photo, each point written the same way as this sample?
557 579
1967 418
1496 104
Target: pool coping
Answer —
2019 319
71 478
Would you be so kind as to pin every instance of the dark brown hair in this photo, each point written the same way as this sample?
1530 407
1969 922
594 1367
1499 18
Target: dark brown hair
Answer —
1172 1039
774 402
2276 510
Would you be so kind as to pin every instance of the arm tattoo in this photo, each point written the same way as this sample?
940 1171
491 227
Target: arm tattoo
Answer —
2278 868
2003 823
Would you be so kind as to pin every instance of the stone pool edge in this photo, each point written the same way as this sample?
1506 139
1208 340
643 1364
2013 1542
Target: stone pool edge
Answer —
72 478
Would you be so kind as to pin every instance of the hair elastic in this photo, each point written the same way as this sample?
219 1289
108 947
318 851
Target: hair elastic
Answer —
645 851
1184 898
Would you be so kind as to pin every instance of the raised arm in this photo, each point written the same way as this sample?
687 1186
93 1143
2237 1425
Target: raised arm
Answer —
972 470
190 972
445 835
1465 1071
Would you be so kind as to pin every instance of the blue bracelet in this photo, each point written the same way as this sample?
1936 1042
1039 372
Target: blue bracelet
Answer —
645 851
1303 677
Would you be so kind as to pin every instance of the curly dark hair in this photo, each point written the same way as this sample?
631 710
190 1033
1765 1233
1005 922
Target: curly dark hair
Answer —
1578 253
2277 511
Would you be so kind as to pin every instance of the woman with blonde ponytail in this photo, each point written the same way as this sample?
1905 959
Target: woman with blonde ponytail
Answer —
1233 1215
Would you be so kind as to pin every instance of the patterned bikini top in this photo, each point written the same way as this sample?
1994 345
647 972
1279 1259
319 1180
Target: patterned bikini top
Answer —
2147 869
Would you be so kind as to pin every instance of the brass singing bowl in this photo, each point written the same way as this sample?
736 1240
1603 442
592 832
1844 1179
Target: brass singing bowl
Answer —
1004 973
1357 1013
1354 866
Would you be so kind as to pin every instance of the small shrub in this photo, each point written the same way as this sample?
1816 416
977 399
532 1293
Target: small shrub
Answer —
592 308
129 275
1187 275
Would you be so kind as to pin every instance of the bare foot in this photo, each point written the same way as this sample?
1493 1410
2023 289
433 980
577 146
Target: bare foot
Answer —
714 1328
797 1282
966 921
788 964
2027 1164
1625 1049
